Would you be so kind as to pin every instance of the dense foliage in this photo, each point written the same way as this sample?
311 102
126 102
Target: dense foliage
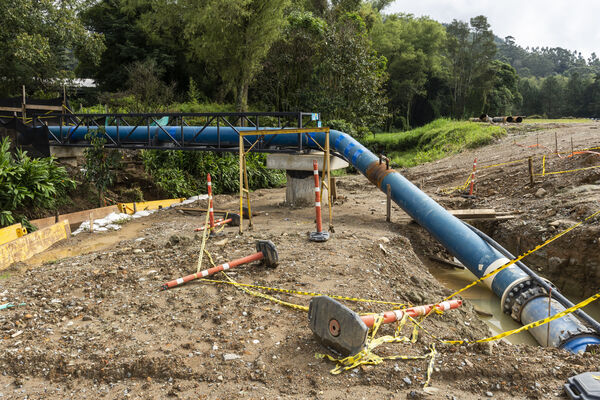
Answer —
346 59
183 174
29 183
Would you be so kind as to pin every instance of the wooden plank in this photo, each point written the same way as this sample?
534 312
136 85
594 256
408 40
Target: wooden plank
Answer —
76 218
132 208
27 246
11 109
43 107
11 233
43 222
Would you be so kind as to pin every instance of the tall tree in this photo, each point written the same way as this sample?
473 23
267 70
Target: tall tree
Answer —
38 40
234 36
470 51
412 47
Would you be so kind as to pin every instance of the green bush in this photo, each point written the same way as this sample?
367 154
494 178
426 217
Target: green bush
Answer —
99 164
433 141
29 183
181 173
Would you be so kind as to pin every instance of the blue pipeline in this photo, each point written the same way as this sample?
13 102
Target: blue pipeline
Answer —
472 251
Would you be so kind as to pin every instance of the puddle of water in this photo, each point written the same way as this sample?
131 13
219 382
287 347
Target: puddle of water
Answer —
88 243
484 300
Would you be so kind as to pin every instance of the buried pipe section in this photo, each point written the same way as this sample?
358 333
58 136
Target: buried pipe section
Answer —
469 248
345 332
266 251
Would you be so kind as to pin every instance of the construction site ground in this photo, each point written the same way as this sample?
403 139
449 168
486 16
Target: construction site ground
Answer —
95 324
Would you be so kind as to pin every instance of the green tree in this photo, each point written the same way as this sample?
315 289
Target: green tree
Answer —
38 43
99 164
412 47
234 36
551 96
351 75
530 91
470 51
504 96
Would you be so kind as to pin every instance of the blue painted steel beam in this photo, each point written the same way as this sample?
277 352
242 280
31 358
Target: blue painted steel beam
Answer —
472 251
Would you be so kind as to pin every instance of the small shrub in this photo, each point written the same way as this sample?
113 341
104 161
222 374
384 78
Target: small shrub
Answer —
181 173
27 182
99 164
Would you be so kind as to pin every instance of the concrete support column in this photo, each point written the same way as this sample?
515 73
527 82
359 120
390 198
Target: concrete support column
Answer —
300 189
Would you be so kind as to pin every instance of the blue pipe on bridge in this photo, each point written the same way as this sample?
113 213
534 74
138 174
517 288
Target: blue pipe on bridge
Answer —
518 292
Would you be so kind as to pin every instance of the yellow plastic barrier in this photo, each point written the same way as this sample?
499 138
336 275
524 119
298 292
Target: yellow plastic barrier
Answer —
132 208
27 246
11 233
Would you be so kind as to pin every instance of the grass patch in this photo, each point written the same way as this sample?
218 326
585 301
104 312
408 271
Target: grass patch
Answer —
433 141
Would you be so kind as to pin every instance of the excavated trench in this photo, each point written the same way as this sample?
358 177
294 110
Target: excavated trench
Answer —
577 275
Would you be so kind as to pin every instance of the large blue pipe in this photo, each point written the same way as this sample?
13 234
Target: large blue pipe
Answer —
472 251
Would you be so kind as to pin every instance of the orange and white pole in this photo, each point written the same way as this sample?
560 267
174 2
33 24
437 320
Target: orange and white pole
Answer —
214 270
265 251
473 178
319 235
317 196
210 203
234 220
396 315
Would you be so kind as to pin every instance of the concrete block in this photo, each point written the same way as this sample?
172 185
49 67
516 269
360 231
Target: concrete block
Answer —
302 162
300 189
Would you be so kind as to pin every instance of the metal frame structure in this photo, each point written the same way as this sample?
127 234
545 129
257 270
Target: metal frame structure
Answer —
145 122
326 172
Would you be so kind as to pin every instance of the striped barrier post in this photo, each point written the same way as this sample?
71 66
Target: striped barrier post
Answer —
210 204
473 178
233 220
319 235
341 329
396 315
266 251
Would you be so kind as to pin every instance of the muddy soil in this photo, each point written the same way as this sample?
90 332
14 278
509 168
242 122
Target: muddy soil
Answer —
96 325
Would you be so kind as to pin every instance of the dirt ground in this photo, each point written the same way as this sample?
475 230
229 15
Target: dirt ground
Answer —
96 325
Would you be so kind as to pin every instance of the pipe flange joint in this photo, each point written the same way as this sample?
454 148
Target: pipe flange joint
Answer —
270 257
525 297
565 336
514 292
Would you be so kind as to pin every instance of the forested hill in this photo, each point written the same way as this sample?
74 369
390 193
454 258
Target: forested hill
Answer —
541 62
363 69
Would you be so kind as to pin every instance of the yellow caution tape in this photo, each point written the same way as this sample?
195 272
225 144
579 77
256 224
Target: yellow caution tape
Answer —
303 293
266 296
531 325
568 171
544 165
367 357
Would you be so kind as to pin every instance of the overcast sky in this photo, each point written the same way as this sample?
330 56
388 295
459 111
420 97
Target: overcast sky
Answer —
573 24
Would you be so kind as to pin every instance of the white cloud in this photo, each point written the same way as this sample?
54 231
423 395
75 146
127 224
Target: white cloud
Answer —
569 24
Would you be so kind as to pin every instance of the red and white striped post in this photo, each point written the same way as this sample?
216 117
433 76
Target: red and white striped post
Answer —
319 235
266 251
233 220
473 178
317 196
396 315
210 203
